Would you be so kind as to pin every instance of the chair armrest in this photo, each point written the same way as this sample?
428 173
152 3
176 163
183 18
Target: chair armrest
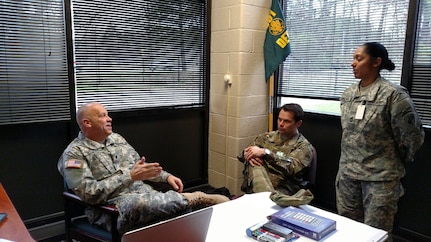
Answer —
71 199
105 208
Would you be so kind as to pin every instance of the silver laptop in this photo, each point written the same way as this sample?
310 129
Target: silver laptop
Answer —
190 227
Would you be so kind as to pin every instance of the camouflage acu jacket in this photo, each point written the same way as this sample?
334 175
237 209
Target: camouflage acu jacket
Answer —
100 172
285 166
388 134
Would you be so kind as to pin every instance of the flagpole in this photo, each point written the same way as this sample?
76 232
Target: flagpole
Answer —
271 102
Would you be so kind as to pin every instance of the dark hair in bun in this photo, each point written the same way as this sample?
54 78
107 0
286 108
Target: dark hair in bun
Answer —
376 50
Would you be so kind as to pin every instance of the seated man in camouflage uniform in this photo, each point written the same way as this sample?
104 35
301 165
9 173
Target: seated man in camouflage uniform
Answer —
102 168
275 160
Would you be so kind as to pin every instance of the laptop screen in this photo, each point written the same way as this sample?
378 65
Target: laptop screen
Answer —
190 227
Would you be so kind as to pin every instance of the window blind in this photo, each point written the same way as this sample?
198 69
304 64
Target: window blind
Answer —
324 36
140 54
33 72
421 71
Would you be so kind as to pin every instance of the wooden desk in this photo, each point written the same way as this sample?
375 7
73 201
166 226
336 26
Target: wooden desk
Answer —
12 228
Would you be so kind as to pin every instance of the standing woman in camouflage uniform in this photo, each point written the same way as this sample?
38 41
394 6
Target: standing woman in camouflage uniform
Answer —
381 132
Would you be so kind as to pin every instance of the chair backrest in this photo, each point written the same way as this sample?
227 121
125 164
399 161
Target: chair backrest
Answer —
312 170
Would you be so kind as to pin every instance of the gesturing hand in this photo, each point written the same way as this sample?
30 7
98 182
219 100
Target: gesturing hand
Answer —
142 171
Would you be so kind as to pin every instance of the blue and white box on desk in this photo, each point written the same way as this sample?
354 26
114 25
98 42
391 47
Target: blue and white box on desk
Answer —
303 223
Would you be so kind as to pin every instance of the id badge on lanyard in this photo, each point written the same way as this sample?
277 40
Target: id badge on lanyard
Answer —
360 111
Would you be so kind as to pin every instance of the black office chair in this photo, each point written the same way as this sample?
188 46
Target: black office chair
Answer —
77 225
310 176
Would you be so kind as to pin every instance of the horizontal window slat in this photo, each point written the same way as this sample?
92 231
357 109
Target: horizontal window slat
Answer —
323 39
33 77
421 73
146 53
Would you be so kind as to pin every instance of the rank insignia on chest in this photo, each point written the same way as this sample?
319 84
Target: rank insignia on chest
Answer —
280 154
73 164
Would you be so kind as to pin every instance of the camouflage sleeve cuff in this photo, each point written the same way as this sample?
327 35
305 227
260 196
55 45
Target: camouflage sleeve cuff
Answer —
164 176
126 178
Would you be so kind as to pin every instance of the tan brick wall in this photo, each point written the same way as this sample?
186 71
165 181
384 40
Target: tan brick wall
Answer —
238 112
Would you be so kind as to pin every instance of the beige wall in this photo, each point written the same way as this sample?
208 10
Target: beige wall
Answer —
238 112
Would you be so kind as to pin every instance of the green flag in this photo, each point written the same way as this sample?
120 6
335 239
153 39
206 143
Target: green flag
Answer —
276 47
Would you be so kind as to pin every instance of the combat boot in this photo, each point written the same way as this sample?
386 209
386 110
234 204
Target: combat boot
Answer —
198 200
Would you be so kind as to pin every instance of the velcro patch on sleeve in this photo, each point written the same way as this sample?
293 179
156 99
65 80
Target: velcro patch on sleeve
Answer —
73 164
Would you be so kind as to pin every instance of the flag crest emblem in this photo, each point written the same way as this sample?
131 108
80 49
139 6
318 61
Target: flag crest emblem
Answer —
276 27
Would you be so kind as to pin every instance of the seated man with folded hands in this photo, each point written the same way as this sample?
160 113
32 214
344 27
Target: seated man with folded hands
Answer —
275 160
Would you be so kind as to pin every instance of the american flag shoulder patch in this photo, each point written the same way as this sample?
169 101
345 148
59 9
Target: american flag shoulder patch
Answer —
73 164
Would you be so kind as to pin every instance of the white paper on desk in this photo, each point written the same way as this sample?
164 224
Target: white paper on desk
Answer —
348 228
230 220
5 240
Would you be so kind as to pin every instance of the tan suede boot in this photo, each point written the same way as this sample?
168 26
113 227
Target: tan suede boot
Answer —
201 200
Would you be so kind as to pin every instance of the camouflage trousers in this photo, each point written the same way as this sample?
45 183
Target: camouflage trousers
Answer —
139 208
371 202
258 180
